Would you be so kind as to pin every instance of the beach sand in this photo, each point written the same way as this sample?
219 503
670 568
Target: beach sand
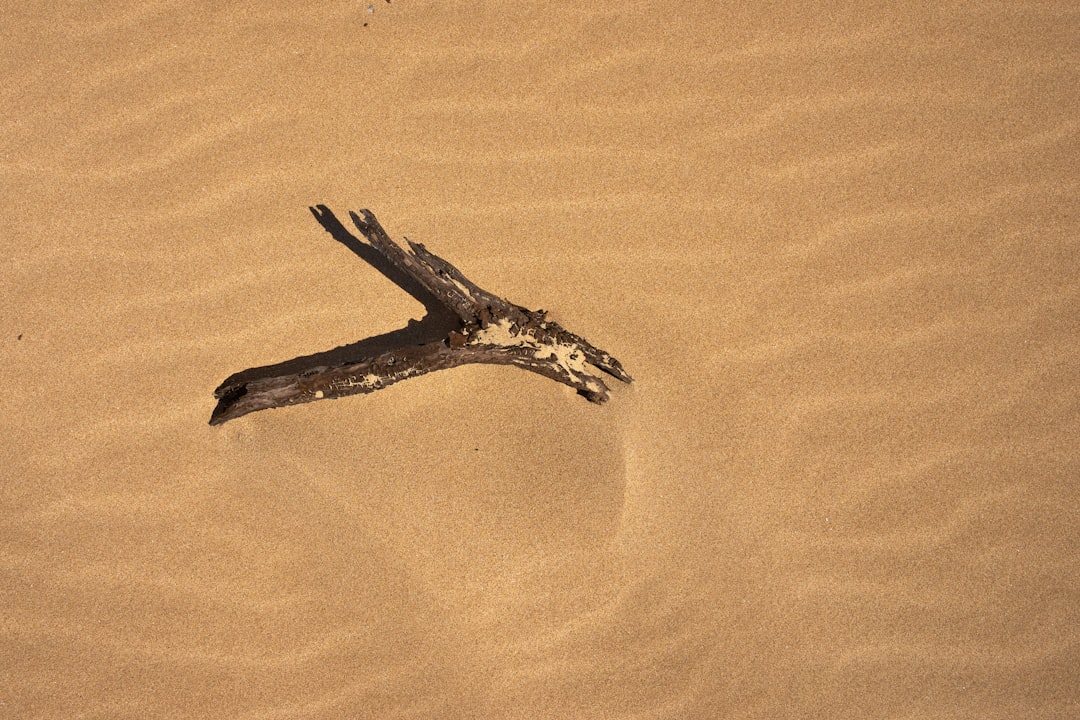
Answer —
837 249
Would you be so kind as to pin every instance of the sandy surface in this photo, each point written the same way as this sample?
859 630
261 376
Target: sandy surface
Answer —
837 249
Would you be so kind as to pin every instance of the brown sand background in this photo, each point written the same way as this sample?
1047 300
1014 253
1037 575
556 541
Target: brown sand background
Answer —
837 247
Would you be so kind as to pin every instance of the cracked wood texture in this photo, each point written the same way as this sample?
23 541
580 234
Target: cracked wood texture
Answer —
465 324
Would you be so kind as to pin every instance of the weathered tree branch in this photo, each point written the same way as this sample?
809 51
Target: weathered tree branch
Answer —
465 324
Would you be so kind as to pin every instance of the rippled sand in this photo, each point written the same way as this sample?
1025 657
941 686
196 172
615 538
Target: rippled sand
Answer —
838 250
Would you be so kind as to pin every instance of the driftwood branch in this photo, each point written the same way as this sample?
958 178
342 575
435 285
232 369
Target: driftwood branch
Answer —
464 324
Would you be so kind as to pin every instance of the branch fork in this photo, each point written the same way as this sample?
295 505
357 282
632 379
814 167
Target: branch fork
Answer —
464 324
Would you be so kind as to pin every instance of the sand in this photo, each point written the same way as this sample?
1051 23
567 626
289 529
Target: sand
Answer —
837 249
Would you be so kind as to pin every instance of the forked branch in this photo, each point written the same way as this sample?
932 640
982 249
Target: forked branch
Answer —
465 324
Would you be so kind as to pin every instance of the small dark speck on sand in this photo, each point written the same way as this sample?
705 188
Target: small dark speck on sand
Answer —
20 337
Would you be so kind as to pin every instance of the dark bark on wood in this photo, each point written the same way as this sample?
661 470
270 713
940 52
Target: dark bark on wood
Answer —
464 324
